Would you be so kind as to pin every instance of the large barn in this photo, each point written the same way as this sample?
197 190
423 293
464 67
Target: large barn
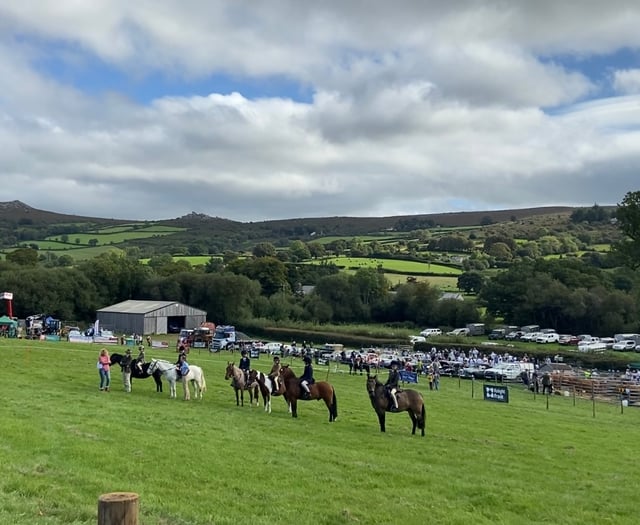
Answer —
150 317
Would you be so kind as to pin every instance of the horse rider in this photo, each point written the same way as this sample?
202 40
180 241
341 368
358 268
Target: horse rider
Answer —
392 385
274 375
307 378
140 358
245 366
182 368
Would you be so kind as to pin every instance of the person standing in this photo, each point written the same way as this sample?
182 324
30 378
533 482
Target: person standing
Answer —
104 360
547 384
125 365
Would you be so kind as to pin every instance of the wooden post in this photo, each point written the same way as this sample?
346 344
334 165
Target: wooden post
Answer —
118 508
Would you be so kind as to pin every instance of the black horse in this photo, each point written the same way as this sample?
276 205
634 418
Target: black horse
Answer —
136 373
408 400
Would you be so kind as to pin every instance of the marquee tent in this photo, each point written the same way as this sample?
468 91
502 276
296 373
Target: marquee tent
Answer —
8 326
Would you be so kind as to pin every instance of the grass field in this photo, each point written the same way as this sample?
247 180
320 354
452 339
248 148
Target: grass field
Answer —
396 265
110 238
362 238
64 443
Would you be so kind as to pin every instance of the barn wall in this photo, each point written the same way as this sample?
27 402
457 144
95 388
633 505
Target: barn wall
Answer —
155 322
178 310
192 321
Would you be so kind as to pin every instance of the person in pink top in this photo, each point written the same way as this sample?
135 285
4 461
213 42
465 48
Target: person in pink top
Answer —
104 363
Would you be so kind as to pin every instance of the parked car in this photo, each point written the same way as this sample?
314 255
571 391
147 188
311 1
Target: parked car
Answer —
507 371
497 333
624 346
550 337
458 332
530 337
427 332
567 340
413 339
514 336
609 341
273 348
473 371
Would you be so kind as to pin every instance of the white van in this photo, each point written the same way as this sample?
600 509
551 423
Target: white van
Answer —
507 371
428 332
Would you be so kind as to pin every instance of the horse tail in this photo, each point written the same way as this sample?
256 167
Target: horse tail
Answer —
423 418
203 384
334 404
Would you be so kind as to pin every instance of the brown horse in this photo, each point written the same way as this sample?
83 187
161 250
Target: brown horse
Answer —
319 390
408 400
239 385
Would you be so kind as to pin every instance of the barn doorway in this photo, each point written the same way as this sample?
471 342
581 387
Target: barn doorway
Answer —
175 323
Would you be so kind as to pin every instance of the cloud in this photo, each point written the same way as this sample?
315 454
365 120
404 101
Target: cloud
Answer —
413 109
627 81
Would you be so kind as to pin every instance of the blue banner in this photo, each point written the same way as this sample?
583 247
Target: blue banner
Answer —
408 377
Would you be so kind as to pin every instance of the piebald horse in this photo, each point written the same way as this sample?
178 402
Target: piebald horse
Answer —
265 386
136 373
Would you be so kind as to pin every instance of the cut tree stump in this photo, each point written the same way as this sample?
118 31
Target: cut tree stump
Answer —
118 508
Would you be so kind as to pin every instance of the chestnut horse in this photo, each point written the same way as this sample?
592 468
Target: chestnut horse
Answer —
319 390
239 385
408 401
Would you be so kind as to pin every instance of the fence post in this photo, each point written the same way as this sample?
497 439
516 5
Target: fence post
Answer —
118 508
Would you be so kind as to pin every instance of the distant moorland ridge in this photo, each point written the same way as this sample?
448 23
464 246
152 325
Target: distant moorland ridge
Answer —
18 212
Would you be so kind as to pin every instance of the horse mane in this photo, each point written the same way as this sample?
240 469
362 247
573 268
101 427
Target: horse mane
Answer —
286 371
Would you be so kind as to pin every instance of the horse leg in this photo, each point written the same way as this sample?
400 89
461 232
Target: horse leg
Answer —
381 420
293 408
414 420
329 401
185 387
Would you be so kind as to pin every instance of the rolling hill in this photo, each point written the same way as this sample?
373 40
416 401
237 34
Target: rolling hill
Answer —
197 234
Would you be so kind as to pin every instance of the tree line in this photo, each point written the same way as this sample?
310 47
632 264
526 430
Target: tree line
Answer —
571 295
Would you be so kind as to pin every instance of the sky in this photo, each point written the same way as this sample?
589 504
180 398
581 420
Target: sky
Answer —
283 109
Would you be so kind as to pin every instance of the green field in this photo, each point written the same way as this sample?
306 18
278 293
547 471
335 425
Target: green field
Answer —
109 238
64 444
362 238
395 265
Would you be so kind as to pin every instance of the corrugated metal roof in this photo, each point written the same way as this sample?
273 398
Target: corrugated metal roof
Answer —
137 307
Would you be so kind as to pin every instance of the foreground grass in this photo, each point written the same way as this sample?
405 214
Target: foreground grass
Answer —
64 443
